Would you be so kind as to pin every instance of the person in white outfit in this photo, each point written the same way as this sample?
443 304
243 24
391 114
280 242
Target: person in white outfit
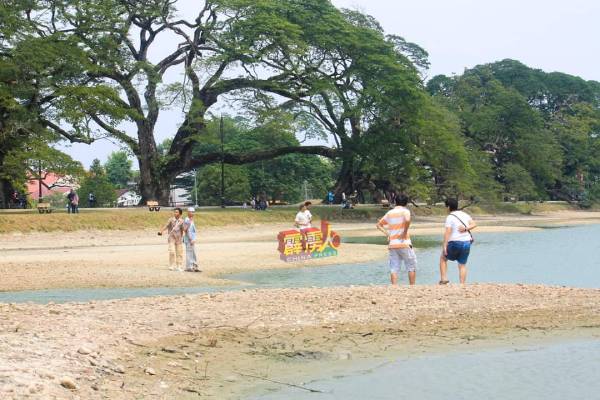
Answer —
189 238
457 241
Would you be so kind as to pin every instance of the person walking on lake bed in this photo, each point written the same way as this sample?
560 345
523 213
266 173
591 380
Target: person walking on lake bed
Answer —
175 229
395 224
457 241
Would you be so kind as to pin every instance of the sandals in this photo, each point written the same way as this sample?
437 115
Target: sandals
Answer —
444 282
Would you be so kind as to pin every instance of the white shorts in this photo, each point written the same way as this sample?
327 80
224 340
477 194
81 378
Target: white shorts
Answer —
404 256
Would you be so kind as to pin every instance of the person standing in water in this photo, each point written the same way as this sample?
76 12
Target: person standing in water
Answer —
175 230
191 262
457 241
394 225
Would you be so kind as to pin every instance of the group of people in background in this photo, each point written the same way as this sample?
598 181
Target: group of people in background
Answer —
73 202
349 202
395 224
456 245
181 233
259 203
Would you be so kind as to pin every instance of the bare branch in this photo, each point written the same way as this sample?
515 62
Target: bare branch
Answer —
72 137
117 134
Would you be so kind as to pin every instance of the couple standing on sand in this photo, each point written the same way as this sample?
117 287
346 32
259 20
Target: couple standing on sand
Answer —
456 246
181 231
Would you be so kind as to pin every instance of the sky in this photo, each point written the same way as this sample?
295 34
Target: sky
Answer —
553 35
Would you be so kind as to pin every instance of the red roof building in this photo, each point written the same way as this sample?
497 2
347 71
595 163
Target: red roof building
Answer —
51 184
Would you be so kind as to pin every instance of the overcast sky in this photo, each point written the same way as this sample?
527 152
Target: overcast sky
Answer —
554 35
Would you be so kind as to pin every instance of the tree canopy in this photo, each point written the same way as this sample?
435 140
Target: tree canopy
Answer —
87 70
539 129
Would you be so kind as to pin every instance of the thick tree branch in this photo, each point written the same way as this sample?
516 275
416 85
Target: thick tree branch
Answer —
117 134
259 155
73 138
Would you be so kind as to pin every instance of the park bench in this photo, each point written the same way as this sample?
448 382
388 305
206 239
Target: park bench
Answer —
385 203
153 206
44 208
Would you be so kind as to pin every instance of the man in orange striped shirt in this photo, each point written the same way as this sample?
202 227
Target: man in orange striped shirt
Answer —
395 226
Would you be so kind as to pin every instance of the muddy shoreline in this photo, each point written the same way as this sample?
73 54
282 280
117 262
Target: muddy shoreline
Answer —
203 345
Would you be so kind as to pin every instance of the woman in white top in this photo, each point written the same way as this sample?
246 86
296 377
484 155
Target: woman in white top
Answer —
457 241
303 218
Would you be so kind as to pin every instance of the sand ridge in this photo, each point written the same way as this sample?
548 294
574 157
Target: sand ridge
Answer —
177 347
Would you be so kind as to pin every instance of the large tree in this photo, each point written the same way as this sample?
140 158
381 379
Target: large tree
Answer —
337 66
227 47
359 78
30 66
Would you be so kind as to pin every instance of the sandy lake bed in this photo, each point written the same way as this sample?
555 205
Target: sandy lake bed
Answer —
226 345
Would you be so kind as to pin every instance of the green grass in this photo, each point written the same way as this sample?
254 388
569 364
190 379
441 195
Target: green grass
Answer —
419 242
134 219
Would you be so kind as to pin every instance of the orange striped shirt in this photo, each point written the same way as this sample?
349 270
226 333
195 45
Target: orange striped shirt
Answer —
395 221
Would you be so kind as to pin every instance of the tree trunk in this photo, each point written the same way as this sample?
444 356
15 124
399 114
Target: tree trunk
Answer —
154 186
6 191
346 182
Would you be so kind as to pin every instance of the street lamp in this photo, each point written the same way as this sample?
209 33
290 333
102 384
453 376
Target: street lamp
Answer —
222 165
196 187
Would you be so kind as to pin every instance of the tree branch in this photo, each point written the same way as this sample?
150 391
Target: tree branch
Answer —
73 138
117 134
259 155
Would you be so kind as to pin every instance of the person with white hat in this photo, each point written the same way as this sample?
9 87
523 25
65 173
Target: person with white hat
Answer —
191 262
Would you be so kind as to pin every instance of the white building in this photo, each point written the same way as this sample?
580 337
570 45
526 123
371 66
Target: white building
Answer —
128 198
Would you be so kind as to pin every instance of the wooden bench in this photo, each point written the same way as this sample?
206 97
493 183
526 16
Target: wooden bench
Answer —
44 208
153 206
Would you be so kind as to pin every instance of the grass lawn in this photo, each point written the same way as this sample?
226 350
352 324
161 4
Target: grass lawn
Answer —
141 218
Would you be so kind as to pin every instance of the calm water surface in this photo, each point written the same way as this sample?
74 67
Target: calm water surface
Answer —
567 256
565 371
563 257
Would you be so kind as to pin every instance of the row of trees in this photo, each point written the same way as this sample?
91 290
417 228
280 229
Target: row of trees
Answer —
83 70
539 133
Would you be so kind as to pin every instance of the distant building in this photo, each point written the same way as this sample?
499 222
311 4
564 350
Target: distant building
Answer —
51 184
128 198
178 196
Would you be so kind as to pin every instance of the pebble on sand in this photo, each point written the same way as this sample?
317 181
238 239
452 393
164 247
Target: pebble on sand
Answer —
68 383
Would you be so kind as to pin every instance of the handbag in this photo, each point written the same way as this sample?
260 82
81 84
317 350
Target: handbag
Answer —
465 225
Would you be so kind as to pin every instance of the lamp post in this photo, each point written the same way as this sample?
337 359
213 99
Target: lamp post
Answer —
196 188
222 164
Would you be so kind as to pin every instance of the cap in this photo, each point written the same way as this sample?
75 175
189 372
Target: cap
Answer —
191 209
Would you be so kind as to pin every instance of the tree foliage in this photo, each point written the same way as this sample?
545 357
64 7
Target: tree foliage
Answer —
280 179
97 182
118 169
539 129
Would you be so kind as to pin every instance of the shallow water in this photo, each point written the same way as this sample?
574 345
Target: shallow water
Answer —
84 295
563 257
561 371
